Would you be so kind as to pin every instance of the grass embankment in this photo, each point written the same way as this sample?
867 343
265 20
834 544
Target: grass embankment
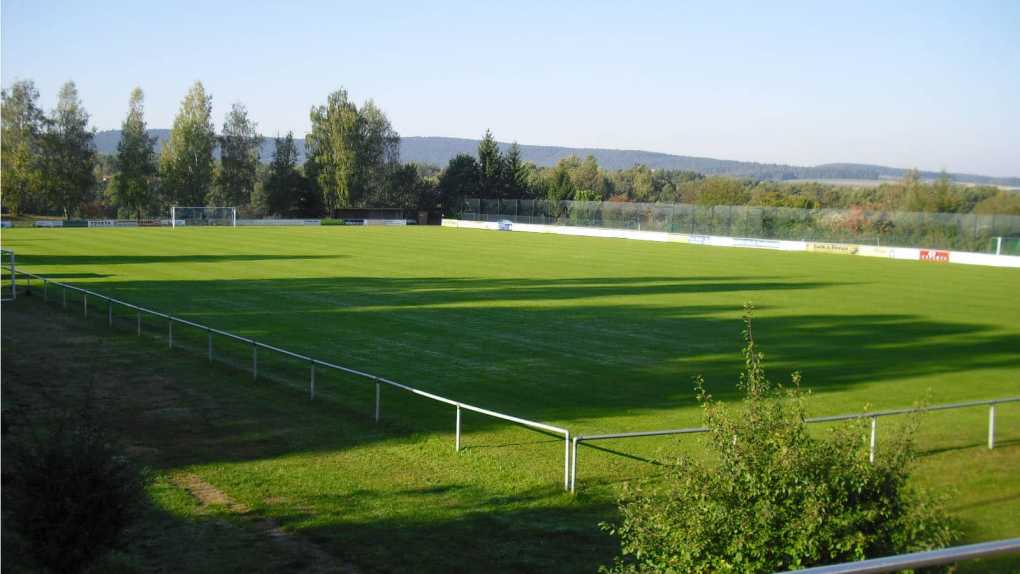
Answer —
595 335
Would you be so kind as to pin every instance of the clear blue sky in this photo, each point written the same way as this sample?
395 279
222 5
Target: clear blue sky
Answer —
934 85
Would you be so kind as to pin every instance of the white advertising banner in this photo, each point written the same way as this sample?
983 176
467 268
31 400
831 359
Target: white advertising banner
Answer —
905 253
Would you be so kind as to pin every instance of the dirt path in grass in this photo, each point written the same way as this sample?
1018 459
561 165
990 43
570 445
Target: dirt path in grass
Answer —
209 495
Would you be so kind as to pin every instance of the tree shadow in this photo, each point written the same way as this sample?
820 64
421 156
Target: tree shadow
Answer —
188 413
53 260
534 348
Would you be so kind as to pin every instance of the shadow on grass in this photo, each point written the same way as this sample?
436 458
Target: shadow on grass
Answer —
51 260
536 348
187 413
490 535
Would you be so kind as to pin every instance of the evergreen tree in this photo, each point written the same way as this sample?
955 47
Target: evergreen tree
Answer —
240 148
490 168
186 162
22 129
135 163
459 181
516 174
283 183
559 185
68 153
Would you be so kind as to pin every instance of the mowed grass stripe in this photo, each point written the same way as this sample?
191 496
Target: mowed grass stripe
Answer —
541 324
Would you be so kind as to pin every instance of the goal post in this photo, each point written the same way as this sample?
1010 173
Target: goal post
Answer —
182 215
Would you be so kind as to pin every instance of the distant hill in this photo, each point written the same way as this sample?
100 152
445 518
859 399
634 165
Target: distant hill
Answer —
440 150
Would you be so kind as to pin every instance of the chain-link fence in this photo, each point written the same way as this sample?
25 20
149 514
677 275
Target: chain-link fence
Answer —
963 232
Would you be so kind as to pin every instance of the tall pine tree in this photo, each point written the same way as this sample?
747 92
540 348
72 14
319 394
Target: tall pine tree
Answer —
516 174
490 167
284 182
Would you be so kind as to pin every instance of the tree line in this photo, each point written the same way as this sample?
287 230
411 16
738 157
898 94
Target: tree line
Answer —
352 159
50 164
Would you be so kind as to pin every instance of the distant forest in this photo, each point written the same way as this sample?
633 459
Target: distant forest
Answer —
438 151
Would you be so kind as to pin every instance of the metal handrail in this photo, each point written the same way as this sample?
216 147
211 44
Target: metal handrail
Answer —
578 439
919 559
313 361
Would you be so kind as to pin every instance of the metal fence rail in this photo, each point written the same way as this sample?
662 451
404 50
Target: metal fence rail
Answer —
874 416
311 361
920 559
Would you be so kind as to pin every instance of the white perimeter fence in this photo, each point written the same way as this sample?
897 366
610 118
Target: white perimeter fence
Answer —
312 363
580 438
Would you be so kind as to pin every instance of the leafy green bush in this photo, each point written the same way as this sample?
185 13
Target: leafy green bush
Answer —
776 498
69 495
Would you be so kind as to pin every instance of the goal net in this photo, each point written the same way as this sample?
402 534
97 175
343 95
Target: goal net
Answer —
203 216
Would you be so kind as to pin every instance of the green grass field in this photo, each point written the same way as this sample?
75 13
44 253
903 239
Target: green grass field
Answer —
595 335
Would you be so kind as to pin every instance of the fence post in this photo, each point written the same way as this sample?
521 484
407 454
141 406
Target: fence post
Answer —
573 467
85 305
109 311
991 426
45 290
311 384
377 402
209 333
63 293
566 460
874 425
456 443
139 323
170 332
254 361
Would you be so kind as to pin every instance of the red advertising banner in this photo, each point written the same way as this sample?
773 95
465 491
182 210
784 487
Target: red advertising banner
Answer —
933 255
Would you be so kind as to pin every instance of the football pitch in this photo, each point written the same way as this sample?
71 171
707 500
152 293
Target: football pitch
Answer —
593 335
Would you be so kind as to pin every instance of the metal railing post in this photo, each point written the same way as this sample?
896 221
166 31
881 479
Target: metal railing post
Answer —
573 466
871 453
311 383
170 332
456 442
45 290
109 311
139 323
63 293
377 391
566 460
254 361
85 305
209 334
991 426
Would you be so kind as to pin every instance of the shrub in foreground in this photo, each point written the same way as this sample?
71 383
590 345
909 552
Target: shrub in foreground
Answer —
775 498
69 495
